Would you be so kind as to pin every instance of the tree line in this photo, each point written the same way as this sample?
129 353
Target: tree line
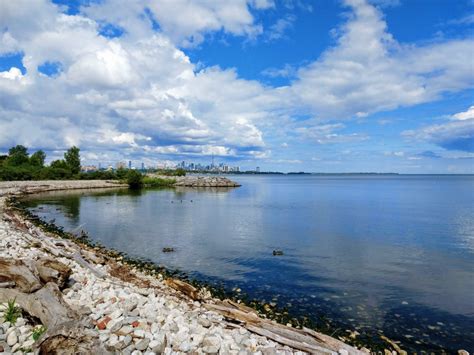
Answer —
18 164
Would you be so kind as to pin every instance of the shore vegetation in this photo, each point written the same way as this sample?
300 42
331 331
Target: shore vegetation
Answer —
19 165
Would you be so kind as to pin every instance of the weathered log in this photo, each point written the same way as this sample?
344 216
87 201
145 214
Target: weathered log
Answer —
46 304
183 287
70 338
303 339
309 348
16 271
51 270
80 260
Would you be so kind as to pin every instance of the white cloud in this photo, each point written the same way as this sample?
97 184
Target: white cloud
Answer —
466 115
139 94
458 134
280 27
369 71
327 133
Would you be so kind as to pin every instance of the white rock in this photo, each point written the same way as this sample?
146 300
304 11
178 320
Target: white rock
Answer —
211 344
114 325
158 344
142 344
28 344
139 333
127 340
12 339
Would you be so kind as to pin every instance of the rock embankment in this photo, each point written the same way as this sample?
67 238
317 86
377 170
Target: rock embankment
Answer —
87 302
201 181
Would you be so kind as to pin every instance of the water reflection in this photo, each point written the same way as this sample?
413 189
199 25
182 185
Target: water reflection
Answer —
391 254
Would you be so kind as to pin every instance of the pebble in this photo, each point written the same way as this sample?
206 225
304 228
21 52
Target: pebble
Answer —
142 344
12 338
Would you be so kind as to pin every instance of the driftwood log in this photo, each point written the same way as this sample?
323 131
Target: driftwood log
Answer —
35 287
304 339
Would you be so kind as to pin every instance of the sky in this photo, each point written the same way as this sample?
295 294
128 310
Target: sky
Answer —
286 85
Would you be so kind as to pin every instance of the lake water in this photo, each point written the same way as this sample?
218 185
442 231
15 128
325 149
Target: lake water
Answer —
391 254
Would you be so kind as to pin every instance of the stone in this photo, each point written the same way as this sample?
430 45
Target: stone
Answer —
12 339
142 344
185 347
114 325
343 352
102 324
268 351
158 344
139 333
15 347
211 344
127 340
126 329
206 323
462 352
28 344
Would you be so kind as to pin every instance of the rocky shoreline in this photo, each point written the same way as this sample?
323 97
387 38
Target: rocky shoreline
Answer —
106 306
199 181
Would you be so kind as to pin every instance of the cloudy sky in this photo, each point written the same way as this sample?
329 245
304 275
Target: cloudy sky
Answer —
290 85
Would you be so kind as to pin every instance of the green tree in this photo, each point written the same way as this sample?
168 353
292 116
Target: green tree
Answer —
73 160
37 159
59 164
134 179
17 155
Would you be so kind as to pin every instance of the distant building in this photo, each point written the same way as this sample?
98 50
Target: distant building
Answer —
257 169
143 166
120 165
88 168
129 164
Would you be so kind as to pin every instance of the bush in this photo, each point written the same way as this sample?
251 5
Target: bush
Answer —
157 182
134 179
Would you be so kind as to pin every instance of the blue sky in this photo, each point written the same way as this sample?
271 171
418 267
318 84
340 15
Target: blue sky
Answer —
290 85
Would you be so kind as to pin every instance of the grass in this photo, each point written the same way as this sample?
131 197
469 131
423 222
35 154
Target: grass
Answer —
38 331
157 182
12 313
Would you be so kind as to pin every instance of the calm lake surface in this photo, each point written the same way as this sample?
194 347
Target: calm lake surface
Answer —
391 254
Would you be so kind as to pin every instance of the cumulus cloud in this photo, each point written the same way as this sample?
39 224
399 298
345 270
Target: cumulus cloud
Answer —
369 71
186 22
138 94
458 134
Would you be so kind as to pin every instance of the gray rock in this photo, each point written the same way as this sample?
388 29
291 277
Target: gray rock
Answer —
142 344
206 323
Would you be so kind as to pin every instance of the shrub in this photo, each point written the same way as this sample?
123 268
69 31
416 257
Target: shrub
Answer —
134 179
157 182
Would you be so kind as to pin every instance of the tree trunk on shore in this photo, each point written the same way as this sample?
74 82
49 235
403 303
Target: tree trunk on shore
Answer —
34 286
